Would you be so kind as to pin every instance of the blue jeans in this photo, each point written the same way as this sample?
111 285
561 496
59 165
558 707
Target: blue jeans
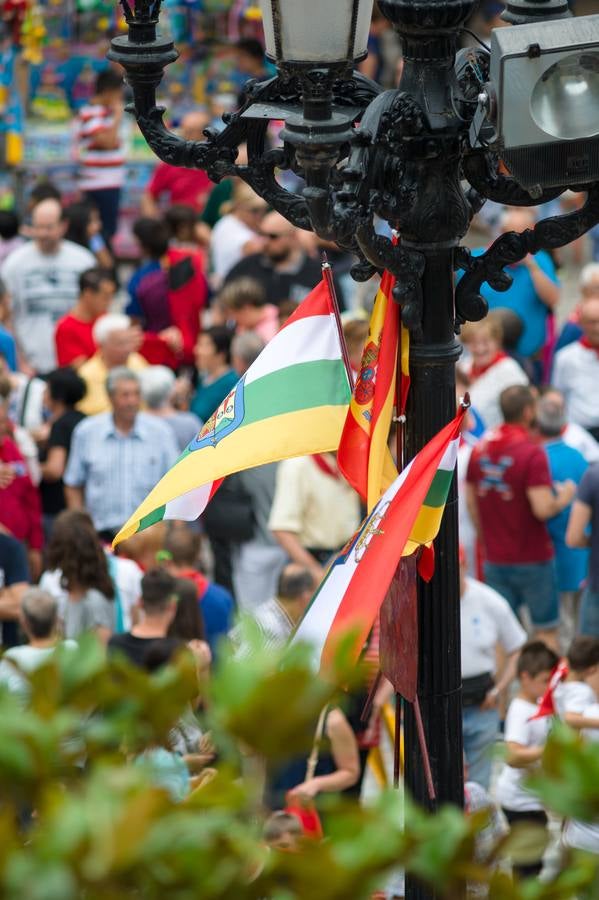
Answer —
481 727
528 584
589 613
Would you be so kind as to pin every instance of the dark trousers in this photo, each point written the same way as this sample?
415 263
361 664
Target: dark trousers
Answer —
535 817
107 202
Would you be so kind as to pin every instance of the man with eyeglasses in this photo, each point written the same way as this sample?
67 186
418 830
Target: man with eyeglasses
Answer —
283 268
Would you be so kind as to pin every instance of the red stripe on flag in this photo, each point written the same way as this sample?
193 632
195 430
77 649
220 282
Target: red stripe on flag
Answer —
317 303
373 575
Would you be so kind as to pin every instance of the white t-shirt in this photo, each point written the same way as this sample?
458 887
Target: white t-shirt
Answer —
128 577
43 288
584 835
227 241
575 374
27 659
573 697
486 620
466 527
510 792
486 389
578 437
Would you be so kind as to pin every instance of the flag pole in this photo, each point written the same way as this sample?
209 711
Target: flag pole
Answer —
327 274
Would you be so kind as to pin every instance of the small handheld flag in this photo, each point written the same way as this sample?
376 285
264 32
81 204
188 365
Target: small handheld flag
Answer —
546 705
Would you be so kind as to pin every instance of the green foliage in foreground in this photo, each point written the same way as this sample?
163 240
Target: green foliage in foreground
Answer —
79 820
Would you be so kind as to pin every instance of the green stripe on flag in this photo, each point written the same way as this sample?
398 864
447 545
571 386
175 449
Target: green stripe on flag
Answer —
157 515
439 489
303 386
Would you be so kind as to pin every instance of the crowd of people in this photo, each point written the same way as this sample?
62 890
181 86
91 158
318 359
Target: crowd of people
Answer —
109 368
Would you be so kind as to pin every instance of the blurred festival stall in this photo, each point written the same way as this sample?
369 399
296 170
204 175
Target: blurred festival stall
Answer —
50 54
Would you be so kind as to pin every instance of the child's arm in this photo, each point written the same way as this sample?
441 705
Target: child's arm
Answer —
519 756
578 721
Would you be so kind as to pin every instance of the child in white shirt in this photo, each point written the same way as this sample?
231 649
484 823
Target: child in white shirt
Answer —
577 834
580 690
525 739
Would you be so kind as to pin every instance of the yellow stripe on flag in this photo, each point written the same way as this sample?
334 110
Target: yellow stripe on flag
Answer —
286 435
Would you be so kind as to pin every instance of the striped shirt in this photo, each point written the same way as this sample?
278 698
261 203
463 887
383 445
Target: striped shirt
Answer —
116 470
100 168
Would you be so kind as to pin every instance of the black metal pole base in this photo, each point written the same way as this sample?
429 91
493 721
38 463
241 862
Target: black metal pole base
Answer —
431 404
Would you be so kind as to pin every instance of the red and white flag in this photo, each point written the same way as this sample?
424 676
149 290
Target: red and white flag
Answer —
407 516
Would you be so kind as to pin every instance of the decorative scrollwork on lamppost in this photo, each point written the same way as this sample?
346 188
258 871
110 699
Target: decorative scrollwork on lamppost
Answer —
424 158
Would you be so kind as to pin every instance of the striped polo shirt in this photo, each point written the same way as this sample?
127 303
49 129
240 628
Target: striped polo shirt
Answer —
100 168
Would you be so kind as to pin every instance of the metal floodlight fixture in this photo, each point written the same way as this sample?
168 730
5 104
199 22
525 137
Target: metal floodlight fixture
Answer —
544 101
317 33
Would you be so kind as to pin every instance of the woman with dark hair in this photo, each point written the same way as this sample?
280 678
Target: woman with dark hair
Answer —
76 550
84 227
216 378
64 389
188 624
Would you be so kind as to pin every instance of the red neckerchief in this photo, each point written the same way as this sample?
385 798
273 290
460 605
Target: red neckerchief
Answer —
325 466
198 578
477 371
587 344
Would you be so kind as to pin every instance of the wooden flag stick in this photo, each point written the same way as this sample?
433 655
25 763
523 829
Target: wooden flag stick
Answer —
365 715
397 743
426 763
327 273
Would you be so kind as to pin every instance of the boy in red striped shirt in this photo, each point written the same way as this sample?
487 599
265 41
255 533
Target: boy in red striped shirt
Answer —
100 149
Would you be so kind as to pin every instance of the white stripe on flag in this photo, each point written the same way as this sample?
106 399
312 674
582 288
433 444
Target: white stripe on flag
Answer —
450 456
190 505
316 624
307 340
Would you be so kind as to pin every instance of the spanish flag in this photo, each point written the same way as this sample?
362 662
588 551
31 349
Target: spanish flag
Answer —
363 454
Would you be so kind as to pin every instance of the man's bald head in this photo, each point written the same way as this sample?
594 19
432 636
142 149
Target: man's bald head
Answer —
518 218
48 226
193 125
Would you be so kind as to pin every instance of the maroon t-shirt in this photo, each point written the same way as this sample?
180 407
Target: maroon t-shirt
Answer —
501 469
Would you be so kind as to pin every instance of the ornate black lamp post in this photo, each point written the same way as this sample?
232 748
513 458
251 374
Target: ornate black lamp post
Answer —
424 158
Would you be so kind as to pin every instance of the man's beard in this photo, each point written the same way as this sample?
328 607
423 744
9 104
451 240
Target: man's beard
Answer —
280 256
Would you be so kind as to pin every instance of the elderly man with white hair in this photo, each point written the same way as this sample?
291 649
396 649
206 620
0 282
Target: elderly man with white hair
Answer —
157 386
38 617
117 457
117 340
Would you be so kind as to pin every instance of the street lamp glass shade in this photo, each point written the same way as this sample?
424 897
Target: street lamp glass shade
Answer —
565 101
317 32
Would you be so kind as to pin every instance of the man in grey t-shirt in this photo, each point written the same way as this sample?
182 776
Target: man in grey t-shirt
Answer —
42 278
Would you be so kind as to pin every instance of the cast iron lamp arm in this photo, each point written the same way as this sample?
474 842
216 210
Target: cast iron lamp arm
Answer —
512 247
481 170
